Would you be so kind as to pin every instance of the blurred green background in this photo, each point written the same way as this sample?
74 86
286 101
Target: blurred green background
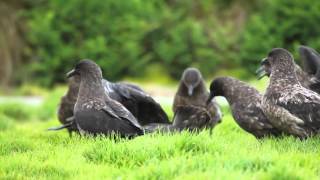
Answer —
149 42
41 40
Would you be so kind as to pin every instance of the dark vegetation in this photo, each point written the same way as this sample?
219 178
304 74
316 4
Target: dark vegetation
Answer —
124 37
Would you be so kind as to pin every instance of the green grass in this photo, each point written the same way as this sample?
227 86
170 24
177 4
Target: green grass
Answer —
27 151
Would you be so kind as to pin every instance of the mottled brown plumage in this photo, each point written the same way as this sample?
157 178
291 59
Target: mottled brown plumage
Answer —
245 105
309 76
192 92
95 112
65 109
310 59
287 104
189 118
311 66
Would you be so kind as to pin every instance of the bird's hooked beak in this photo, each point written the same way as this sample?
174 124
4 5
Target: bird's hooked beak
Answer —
71 73
261 71
190 90
210 98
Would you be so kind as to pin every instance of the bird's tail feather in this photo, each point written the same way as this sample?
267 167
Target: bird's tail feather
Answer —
60 127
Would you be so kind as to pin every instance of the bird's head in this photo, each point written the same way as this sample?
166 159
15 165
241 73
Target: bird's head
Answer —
279 59
264 69
86 68
191 78
280 56
216 88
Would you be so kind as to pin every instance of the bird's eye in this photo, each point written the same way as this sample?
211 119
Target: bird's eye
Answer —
78 66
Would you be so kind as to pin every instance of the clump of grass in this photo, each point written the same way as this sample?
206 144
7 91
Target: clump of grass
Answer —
5 122
12 147
17 111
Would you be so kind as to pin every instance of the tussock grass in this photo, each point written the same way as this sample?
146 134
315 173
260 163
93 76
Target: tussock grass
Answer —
28 151
16 111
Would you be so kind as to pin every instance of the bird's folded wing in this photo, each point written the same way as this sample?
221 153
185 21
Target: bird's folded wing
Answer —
118 110
311 60
191 116
129 92
110 111
315 85
145 102
251 118
130 85
304 107
283 119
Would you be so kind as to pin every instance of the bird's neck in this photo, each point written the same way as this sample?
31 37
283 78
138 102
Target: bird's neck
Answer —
282 75
72 92
90 88
236 91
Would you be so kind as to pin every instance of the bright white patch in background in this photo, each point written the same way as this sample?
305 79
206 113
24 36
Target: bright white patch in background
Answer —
221 101
33 101
163 99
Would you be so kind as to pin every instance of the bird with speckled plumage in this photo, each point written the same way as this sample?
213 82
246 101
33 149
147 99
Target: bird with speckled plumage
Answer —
137 101
245 105
288 105
66 106
95 112
189 118
308 75
192 91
